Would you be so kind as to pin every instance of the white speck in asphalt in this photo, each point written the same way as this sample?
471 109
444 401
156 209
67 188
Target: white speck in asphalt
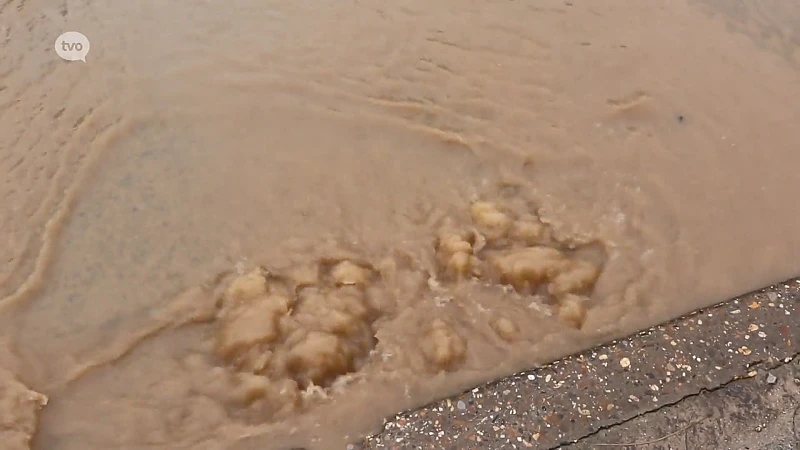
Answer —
771 379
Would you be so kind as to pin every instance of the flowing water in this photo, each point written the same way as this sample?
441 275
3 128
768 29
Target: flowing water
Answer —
265 224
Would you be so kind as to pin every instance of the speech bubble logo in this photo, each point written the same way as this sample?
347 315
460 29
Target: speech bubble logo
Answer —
72 46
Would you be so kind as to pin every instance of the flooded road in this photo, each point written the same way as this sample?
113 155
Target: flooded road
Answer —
271 224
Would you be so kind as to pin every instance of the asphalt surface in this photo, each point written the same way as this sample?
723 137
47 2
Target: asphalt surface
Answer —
757 413
726 377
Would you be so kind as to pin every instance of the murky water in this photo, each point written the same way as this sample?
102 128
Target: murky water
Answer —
265 224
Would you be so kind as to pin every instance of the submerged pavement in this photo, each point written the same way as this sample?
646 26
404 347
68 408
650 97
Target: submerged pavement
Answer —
723 377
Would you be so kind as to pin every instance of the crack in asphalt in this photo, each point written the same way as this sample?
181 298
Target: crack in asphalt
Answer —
693 422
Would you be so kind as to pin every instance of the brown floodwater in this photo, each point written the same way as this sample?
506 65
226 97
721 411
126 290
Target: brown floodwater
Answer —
266 224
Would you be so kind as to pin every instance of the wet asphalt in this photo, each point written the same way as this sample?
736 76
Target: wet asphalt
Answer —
723 377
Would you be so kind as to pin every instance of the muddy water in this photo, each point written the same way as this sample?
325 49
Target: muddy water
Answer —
270 224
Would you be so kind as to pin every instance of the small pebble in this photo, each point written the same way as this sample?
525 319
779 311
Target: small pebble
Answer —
771 379
625 363
461 405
